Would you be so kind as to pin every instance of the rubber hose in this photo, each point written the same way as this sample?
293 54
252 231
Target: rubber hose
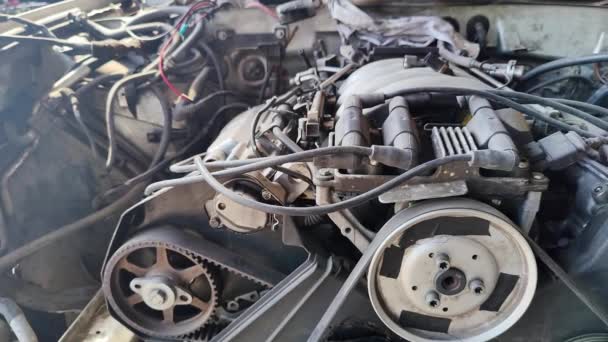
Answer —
11 258
599 96
562 63
185 111
165 137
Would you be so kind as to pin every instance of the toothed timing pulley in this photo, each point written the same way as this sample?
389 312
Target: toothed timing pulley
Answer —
159 289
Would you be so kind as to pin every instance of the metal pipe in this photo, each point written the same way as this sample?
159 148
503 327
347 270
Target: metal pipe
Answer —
15 318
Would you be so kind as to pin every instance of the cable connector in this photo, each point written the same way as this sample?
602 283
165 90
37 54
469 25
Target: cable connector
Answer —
393 156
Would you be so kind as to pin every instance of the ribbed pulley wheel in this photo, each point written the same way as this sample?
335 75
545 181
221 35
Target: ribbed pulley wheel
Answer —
451 270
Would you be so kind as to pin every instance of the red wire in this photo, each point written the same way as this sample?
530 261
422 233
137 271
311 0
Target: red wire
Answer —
163 49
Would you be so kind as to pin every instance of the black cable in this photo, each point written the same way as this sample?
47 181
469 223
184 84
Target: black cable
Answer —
165 138
265 85
257 116
558 80
599 96
74 105
562 63
96 82
101 144
293 147
157 14
285 140
572 285
262 163
185 66
193 37
254 125
329 208
12 257
584 105
294 157
187 110
196 87
194 91
216 64
201 134
494 97
554 104
100 31
125 147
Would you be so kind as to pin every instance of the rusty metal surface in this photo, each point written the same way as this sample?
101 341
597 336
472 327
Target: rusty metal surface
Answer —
95 324
198 250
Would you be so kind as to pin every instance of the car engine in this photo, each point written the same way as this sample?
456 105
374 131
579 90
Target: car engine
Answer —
304 171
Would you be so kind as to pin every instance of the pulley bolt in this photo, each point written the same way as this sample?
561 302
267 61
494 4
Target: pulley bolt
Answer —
157 297
443 261
477 286
432 299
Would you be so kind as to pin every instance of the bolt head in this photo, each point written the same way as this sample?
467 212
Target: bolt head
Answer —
215 222
537 176
477 287
280 32
266 195
597 189
443 261
157 297
222 35
432 299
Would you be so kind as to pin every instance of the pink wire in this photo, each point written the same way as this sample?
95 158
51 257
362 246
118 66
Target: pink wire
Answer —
260 6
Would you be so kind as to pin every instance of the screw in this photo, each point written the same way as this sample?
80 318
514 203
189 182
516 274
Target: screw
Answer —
537 176
214 222
280 32
477 286
222 35
157 297
266 195
232 306
523 165
443 261
597 189
432 299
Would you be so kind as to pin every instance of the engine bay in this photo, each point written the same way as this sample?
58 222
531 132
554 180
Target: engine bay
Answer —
304 171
